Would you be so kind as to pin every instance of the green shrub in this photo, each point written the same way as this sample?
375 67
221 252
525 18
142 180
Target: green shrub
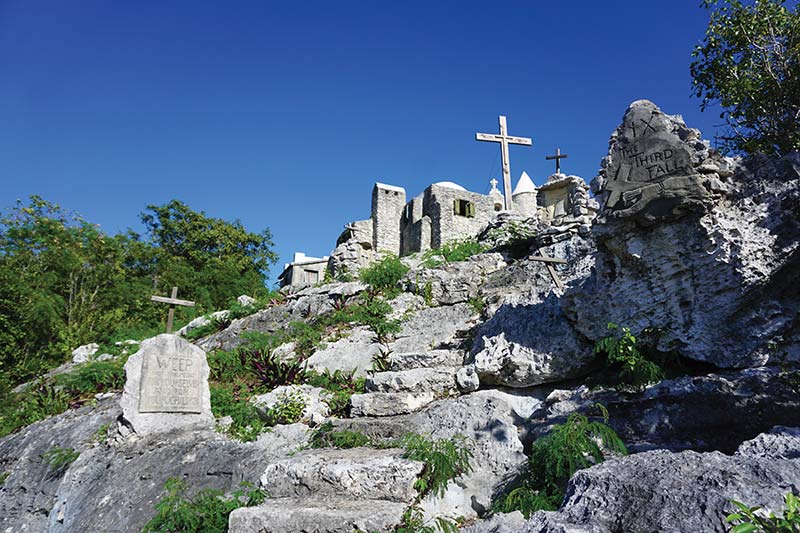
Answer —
287 410
273 371
340 386
94 377
58 457
635 370
576 444
35 403
453 251
3 477
381 361
373 312
445 459
384 275
754 519
233 401
516 238
307 337
326 436
206 512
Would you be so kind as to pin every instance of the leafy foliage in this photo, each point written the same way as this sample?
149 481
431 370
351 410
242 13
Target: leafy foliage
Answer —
287 410
384 275
445 459
234 401
340 386
754 519
206 512
635 370
749 63
63 283
576 444
273 371
452 251
58 457
326 436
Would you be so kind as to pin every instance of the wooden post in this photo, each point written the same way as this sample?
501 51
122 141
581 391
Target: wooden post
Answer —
549 261
504 139
172 301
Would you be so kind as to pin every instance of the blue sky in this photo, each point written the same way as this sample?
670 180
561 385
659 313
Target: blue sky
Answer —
283 114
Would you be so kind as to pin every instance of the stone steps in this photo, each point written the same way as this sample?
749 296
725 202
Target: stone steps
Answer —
439 380
332 514
427 359
357 473
389 403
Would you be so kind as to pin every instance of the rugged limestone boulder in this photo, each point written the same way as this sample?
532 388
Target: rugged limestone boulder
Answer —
670 492
452 283
710 412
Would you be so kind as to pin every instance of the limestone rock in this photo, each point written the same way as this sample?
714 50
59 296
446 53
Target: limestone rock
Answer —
315 411
169 350
202 321
359 473
653 168
427 359
452 283
318 514
440 381
354 352
671 492
711 412
389 403
780 443
467 379
497 451
497 523
246 301
81 354
433 328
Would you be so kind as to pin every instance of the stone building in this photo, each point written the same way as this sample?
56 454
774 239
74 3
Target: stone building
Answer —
303 270
442 213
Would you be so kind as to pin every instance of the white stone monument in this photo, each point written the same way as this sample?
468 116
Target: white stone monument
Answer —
166 386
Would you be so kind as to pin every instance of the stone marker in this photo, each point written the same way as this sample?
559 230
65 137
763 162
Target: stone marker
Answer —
650 170
166 386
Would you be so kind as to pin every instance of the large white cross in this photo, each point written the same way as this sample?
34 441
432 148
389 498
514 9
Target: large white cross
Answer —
504 139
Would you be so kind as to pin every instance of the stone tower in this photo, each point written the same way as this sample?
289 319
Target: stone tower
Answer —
524 196
388 203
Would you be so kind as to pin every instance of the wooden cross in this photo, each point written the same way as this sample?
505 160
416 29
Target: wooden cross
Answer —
504 139
558 157
172 301
549 261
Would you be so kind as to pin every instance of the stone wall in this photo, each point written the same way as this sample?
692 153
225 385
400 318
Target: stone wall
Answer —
388 202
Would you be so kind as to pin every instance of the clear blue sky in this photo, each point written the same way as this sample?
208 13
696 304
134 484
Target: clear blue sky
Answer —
283 114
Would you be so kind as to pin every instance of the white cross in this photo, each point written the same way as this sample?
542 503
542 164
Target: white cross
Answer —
494 184
504 139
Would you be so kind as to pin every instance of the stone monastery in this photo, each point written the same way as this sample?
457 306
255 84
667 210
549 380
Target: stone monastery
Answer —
444 212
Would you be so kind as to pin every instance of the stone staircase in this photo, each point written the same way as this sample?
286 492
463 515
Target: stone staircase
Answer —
409 388
332 491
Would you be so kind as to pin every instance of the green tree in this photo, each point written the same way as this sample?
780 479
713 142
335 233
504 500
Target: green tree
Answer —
60 280
212 258
749 64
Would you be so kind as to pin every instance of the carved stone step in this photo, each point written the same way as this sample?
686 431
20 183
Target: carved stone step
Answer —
439 381
389 403
362 473
429 359
318 514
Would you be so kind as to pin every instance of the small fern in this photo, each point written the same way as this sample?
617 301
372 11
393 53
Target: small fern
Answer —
58 457
326 436
622 354
445 459
576 444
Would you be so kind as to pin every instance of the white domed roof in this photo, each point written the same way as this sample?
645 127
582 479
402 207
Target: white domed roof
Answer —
450 185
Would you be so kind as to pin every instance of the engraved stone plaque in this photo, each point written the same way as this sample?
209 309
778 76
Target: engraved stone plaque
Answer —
166 387
650 166
171 383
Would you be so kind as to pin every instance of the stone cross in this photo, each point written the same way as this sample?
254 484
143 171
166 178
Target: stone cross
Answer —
172 301
504 139
558 157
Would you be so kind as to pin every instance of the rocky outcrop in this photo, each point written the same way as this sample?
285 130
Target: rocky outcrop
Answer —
709 412
671 492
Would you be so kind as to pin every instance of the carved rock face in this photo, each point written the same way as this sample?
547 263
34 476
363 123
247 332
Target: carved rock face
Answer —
650 171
